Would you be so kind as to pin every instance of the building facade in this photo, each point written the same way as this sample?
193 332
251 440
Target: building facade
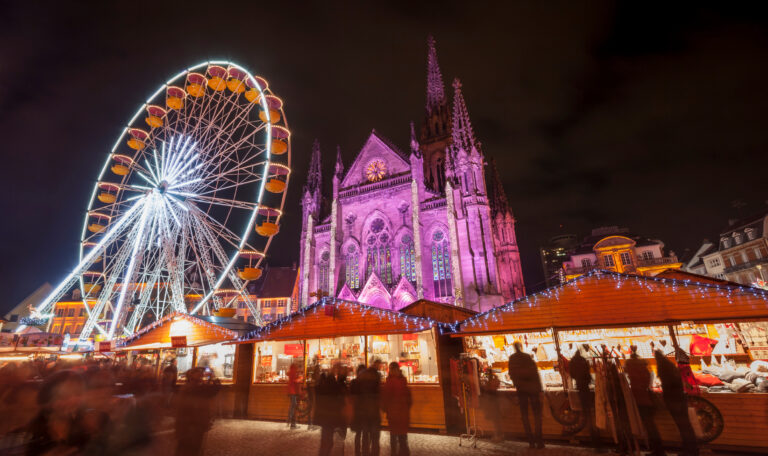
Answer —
553 255
615 249
274 294
14 317
741 254
398 227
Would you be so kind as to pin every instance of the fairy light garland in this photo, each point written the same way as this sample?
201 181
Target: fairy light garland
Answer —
726 291
224 332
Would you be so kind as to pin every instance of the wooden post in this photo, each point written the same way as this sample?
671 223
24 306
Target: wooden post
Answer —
365 348
673 336
194 357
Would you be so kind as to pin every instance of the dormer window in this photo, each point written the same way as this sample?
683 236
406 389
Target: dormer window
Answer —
751 234
738 238
726 241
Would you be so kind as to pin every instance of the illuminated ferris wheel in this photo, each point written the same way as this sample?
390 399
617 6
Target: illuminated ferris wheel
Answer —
186 205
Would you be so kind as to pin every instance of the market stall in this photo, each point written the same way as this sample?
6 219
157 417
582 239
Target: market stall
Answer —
351 334
713 323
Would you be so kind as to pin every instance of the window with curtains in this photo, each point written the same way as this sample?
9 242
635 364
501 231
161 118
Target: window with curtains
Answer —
323 277
408 258
441 265
352 267
379 255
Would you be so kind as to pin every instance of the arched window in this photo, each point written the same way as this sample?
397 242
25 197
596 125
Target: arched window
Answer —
352 268
440 174
441 265
407 258
324 269
379 256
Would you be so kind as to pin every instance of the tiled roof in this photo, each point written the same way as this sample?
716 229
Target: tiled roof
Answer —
276 282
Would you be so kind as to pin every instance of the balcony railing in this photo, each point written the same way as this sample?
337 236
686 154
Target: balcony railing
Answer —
747 265
656 261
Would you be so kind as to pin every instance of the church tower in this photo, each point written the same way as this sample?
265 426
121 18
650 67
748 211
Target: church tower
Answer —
505 241
435 134
310 203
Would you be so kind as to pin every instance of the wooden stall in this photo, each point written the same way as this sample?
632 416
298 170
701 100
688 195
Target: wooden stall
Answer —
341 331
192 341
619 310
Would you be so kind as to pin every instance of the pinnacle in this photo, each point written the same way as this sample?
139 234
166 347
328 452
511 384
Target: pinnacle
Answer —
435 86
463 136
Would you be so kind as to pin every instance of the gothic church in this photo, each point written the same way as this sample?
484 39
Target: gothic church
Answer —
416 225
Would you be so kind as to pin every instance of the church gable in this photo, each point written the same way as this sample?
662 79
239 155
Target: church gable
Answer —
375 294
377 160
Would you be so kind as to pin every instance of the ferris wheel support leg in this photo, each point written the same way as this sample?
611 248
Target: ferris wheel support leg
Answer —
87 261
129 272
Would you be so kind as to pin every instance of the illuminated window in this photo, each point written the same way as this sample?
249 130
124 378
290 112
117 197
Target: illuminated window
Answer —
441 265
82 312
60 313
626 259
352 268
608 261
758 255
324 273
586 263
407 259
379 255
647 255
714 262
71 313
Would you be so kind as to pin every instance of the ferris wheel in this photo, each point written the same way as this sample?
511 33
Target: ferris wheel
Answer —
186 204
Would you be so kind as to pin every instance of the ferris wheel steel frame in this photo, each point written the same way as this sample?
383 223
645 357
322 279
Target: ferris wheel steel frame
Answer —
149 237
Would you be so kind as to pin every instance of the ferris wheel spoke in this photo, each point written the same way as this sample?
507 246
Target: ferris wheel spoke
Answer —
235 204
233 239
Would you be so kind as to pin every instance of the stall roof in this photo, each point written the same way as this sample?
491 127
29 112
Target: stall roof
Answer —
198 331
609 299
438 311
331 317
683 275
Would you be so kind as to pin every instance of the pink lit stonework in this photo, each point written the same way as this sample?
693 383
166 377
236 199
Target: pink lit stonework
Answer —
360 243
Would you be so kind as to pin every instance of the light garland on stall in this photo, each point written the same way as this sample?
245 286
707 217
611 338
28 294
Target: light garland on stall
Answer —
412 323
224 332
699 288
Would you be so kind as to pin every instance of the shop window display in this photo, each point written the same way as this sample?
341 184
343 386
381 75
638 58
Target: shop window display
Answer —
219 358
349 351
414 352
272 359
494 350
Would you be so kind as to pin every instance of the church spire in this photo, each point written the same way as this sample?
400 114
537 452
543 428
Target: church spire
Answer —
499 203
435 86
315 174
462 134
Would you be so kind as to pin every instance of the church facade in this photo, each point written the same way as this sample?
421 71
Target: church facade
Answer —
416 225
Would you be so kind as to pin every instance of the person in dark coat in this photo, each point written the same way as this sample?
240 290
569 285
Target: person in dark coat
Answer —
193 412
366 420
636 369
329 412
525 377
675 401
578 369
396 402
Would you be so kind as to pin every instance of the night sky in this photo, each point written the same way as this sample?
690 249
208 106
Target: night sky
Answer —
648 116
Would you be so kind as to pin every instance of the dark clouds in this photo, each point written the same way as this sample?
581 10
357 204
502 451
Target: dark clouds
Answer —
649 116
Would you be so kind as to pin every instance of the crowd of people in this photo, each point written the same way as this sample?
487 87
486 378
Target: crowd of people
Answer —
524 374
97 407
338 404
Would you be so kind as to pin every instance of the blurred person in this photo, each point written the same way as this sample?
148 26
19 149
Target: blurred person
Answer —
639 375
396 402
491 402
329 414
525 376
673 392
311 385
578 369
170 376
193 412
355 394
56 427
370 387
294 389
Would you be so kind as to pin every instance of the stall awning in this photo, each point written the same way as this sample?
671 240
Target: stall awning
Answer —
444 313
608 299
333 318
196 331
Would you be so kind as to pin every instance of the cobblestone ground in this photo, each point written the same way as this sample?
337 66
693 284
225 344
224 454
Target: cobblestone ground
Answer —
247 437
